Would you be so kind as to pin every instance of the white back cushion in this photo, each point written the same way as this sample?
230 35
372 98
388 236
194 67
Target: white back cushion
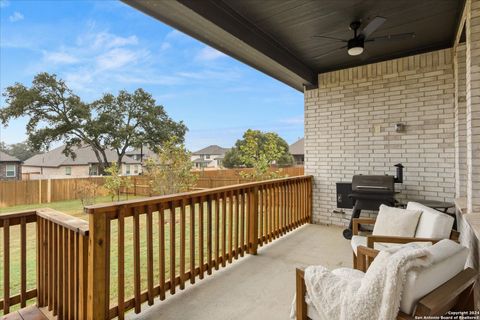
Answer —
448 260
396 222
432 224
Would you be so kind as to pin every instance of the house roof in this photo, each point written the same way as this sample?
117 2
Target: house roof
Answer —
297 148
280 38
7 158
147 153
85 156
213 149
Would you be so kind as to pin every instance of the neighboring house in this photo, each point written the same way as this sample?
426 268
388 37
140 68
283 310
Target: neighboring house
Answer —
141 154
54 164
297 151
209 157
10 167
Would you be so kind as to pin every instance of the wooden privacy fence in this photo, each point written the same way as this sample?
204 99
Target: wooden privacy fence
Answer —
13 193
131 252
58 244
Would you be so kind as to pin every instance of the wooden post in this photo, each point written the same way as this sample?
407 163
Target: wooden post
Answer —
39 191
97 266
82 276
253 230
49 190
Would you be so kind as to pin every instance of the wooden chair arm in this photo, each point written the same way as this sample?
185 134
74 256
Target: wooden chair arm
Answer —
358 221
365 256
404 316
371 239
301 290
455 294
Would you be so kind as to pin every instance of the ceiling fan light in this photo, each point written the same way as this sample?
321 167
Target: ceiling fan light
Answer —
355 51
355 46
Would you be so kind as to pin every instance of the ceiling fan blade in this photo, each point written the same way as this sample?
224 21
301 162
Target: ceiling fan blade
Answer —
398 36
330 52
330 38
372 26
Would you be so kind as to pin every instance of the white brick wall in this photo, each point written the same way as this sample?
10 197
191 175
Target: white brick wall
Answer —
349 128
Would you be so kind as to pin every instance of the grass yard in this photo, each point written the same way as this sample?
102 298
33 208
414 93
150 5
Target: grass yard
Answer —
74 208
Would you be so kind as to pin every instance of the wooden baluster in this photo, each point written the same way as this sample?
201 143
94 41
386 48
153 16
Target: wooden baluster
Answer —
83 248
237 216
289 210
172 247
6 266
276 212
230 227
23 262
217 230
56 263
149 211
224 228
200 238
59 271
253 218
64 261
161 249
72 253
270 213
121 262
242 224
280 207
40 262
50 276
76 276
182 245
192 240
136 260
209 235
260 213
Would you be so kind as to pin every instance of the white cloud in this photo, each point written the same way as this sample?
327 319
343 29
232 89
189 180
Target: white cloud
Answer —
209 54
4 3
60 57
293 120
16 16
119 57
165 46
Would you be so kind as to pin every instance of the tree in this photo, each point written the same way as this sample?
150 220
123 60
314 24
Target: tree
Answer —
20 150
113 181
171 171
56 114
259 150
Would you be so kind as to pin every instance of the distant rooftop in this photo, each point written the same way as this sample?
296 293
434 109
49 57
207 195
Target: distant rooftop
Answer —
213 149
7 157
85 156
297 148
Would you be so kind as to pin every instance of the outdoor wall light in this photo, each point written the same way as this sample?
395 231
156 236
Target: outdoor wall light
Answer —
399 127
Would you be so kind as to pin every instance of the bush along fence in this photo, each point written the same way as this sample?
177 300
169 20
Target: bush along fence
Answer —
14 193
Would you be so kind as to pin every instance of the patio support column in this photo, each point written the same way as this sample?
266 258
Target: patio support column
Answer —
473 105
460 123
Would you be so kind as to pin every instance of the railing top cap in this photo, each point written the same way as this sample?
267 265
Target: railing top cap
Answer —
185 195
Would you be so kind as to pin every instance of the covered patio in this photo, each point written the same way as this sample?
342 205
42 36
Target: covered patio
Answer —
411 96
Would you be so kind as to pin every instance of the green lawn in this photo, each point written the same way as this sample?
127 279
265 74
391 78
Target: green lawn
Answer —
74 208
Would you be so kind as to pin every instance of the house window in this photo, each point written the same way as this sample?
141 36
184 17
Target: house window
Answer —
94 170
135 169
68 171
127 170
11 171
207 156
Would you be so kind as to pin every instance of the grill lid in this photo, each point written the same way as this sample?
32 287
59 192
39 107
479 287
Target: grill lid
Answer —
373 183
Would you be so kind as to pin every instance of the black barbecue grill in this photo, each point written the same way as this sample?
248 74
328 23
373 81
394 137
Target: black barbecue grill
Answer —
371 191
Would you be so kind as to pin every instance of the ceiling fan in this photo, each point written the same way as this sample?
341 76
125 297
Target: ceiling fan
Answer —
356 44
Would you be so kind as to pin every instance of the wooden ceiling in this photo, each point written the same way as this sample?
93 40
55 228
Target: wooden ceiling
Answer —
276 36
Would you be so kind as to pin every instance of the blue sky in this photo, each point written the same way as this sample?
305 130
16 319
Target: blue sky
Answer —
106 46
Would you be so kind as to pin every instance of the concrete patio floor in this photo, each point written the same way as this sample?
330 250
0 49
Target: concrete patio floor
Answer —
256 287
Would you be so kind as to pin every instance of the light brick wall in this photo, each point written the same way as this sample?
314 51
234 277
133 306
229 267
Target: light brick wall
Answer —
460 122
349 129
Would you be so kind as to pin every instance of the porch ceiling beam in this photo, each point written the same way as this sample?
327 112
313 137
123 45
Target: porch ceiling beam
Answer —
461 25
219 26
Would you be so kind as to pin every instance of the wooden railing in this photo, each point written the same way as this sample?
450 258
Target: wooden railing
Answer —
59 244
133 251
178 238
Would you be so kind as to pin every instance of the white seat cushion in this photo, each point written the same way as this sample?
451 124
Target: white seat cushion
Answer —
432 223
396 222
448 260
362 241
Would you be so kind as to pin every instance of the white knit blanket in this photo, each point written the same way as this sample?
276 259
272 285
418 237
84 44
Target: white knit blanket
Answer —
344 294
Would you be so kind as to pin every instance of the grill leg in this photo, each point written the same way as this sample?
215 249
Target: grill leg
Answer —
347 233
